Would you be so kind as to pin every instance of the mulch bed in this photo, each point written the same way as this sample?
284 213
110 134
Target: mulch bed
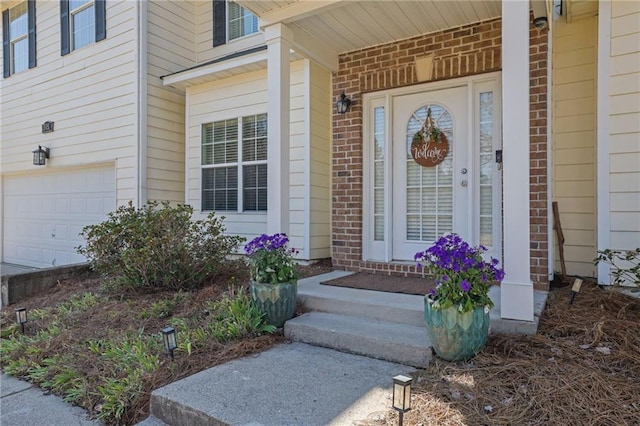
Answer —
581 368
386 283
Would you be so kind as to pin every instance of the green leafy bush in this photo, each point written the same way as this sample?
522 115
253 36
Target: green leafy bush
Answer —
157 247
624 264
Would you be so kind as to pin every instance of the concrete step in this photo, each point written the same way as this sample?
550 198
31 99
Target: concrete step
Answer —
390 307
289 384
151 421
390 341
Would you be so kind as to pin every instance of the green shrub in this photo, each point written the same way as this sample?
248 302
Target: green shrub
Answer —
157 247
624 264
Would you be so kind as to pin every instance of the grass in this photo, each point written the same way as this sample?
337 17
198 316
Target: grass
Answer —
104 352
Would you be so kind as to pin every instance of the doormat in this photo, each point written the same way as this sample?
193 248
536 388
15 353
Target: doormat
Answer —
387 283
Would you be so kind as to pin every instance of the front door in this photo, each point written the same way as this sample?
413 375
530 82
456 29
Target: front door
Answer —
430 201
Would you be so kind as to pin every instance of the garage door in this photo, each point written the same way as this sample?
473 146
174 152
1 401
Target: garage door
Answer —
44 213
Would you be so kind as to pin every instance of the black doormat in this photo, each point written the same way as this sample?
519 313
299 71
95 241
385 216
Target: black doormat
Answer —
387 283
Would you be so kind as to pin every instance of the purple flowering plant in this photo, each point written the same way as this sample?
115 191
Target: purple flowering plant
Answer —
270 260
461 274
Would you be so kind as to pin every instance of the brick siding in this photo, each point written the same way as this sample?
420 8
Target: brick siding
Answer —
461 51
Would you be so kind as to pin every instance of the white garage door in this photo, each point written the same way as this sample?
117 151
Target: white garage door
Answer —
44 213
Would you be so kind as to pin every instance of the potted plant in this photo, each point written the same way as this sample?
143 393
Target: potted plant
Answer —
274 281
456 311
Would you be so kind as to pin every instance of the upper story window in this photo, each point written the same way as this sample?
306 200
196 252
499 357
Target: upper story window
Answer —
241 21
234 164
82 22
231 21
19 37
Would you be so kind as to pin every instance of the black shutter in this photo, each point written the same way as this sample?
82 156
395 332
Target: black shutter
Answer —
219 22
101 20
31 16
65 47
6 59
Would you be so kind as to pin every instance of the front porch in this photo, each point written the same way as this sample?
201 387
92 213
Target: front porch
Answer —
388 326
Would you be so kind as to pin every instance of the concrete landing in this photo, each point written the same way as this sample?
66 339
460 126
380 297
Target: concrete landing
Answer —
290 384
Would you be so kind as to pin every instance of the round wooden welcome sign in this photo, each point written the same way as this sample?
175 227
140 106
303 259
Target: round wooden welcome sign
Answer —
429 152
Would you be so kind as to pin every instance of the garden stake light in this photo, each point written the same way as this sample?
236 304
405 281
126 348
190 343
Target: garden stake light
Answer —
21 317
575 289
401 396
169 340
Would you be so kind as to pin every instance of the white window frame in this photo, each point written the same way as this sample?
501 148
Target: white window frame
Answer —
14 40
72 13
381 251
228 23
239 164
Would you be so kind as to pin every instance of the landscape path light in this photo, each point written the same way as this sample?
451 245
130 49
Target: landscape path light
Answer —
21 317
169 340
401 396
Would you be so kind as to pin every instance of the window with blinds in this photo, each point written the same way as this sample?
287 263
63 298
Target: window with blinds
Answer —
378 172
233 182
241 21
486 169
429 189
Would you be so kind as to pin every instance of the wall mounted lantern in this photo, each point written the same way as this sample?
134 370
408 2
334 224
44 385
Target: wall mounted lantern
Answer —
21 317
343 104
40 156
402 396
169 340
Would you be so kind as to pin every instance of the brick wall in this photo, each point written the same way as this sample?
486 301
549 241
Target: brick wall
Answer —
461 51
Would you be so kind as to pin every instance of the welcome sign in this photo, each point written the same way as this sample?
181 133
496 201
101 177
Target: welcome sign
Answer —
429 152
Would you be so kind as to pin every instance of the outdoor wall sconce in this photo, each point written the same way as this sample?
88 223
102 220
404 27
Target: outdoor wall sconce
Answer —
21 317
169 340
540 22
343 104
401 396
40 156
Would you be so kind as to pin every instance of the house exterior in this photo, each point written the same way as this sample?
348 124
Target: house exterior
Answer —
230 107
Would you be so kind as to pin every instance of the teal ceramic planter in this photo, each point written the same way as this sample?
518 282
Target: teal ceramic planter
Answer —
454 335
276 301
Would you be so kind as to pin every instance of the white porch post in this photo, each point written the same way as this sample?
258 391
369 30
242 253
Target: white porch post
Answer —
278 38
516 295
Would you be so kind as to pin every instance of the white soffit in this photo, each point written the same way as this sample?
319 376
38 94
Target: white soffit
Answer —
348 25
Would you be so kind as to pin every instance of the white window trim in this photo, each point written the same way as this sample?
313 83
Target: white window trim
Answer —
239 164
13 41
72 13
228 24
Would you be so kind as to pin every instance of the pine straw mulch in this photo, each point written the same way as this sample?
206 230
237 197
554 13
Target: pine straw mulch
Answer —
122 315
582 368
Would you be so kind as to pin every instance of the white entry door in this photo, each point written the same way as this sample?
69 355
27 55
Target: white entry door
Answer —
431 201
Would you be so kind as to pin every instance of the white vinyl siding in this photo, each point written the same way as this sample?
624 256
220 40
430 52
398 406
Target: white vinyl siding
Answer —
246 95
90 95
574 141
319 159
171 41
624 125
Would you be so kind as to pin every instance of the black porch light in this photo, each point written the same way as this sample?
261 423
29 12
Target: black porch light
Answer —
169 340
401 395
40 156
21 317
343 104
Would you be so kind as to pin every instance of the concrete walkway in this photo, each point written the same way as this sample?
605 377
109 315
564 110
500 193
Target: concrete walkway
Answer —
23 404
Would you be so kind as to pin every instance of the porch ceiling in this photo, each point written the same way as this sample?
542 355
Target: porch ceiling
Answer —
346 25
